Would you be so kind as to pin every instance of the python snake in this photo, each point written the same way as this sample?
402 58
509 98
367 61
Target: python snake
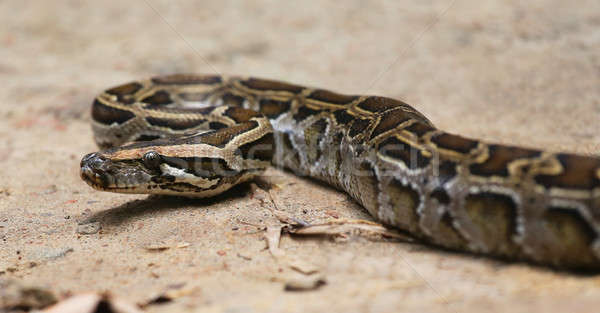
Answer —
199 135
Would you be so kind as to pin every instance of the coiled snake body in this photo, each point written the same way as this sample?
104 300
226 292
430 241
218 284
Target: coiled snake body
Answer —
199 135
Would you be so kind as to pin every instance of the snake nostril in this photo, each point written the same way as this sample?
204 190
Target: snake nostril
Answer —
92 160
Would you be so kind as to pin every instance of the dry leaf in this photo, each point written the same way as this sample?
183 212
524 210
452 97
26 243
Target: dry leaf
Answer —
303 267
273 235
349 227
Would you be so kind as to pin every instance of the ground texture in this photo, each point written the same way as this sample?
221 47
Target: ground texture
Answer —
514 72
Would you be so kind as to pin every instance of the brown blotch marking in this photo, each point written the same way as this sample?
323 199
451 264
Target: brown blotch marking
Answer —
240 114
446 171
273 108
265 85
304 112
412 157
579 172
313 135
454 143
159 98
261 149
342 116
379 104
419 129
233 100
221 137
147 138
499 159
187 79
331 97
404 200
125 92
177 124
447 235
495 215
441 196
107 115
573 236
359 126
388 121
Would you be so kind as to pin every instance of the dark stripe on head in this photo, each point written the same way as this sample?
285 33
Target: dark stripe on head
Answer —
304 112
205 167
579 172
177 124
107 115
265 85
412 157
331 97
454 143
125 92
187 79
273 108
499 159
147 137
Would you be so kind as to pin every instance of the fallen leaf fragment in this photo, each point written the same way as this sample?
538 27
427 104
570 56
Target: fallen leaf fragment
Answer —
162 246
303 267
170 295
273 235
346 227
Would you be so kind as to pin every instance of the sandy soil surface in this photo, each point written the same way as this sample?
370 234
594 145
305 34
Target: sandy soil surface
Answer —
520 72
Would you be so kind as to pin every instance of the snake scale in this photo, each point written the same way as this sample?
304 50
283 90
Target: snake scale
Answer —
199 135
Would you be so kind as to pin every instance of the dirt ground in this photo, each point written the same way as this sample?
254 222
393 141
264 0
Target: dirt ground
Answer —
519 72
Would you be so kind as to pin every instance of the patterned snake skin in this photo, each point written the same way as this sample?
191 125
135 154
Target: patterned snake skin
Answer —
462 194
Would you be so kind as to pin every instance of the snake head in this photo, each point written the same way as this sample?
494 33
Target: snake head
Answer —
188 167
126 175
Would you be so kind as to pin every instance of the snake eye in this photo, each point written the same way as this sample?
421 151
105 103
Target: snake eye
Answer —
151 159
